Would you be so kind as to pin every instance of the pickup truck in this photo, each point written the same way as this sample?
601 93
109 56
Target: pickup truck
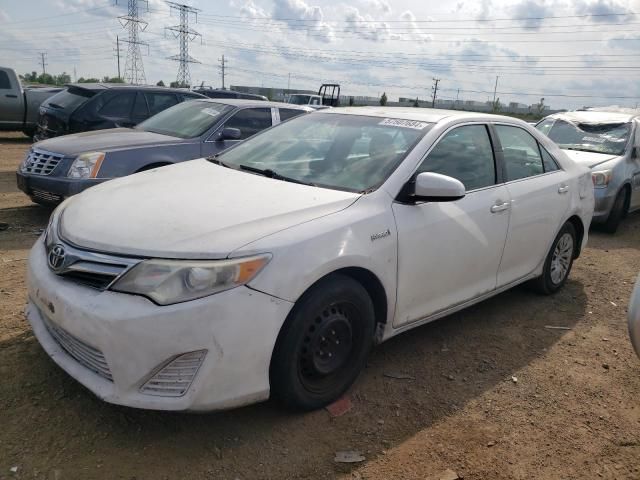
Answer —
18 105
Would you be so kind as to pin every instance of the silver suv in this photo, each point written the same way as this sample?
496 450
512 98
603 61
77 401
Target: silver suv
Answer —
608 142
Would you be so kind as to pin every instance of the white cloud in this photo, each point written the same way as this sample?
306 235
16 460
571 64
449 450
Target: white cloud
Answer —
601 10
531 11
365 26
380 5
415 32
299 15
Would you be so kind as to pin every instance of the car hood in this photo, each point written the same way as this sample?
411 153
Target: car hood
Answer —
590 159
104 141
193 209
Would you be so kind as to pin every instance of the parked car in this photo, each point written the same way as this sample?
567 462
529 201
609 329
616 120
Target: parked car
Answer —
59 167
19 105
95 106
634 317
313 101
609 144
276 265
220 93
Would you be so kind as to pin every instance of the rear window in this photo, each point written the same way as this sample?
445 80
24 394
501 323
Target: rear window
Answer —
287 113
69 99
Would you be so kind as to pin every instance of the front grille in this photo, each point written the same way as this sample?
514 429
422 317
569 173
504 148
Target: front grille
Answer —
46 197
175 377
88 356
90 279
39 162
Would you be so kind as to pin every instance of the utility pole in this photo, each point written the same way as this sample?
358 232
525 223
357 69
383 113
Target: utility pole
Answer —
185 34
133 68
222 67
457 95
118 54
435 92
42 61
75 75
495 87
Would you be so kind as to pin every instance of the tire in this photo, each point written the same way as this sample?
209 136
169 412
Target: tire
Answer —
323 345
617 212
559 261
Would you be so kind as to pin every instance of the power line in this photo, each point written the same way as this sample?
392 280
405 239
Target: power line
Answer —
134 69
185 34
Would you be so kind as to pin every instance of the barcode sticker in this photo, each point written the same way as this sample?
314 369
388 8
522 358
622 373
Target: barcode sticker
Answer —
397 122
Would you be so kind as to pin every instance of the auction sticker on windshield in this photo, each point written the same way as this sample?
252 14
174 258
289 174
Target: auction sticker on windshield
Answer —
397 122
211 111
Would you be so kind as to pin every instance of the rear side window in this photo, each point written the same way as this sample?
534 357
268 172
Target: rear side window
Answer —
521 153
160 101
5 84
250 121
119 105
465 153
287 113
140 107
549 163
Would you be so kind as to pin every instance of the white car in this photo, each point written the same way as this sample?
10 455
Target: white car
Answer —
634 317
274 267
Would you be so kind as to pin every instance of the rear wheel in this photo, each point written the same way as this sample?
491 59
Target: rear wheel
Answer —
559 261
617 213
324 344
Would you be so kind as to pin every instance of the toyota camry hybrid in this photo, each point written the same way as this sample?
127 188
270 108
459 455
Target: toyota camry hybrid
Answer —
273 268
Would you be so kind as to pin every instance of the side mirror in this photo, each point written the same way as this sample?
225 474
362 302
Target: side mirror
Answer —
434 187
229 133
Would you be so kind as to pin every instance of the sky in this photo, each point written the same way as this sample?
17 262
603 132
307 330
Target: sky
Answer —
573 53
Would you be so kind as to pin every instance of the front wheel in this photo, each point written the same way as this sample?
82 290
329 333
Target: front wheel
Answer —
617 212
558 262
324 344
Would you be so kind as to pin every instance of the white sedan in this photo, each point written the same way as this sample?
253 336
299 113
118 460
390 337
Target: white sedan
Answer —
274 267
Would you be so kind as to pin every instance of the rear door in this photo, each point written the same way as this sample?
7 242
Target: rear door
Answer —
635 161
540 198
159 101
11 100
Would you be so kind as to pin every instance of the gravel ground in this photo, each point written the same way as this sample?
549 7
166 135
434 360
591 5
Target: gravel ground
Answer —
488 393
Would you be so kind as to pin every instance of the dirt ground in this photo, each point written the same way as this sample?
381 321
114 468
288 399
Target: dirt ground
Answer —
491 393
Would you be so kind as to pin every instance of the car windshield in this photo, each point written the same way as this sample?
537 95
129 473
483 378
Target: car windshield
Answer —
185 120
70 99
299 99
344 152
609 138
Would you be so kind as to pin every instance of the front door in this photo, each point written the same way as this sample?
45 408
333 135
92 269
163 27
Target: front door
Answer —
540 198
12 101
449 252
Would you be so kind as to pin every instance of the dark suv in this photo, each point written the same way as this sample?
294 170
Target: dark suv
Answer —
95 106
219 93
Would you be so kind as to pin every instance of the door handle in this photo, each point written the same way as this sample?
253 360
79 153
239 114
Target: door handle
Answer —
499 207
10 95
563 189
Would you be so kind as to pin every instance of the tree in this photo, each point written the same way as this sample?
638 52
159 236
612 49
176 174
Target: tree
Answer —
416 103
383 99
160 84
88 80
174 84
107 79
540 106
495 106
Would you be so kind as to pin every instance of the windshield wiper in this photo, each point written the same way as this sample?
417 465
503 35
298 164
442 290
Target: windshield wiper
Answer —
581 149
55 105
267 172
214 159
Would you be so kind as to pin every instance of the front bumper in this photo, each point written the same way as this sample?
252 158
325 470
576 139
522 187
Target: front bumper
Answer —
45 188
238 329
604 199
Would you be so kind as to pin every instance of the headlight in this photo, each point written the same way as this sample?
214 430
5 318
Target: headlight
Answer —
601 179
23 165
86 165
173 281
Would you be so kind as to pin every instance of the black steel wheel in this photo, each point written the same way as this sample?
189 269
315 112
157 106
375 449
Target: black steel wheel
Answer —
323 344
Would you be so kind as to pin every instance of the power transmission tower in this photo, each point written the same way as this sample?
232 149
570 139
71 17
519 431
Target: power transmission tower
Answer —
434 89
42 61
118 53
185 34
133 68
223 65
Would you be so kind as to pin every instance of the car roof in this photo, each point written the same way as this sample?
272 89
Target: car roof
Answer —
592 116
430 115
241 102
126 86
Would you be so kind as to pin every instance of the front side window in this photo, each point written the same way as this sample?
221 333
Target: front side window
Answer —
550 164
250 121
187 119
5 84
465 153
522 157
119 106
345 152
609 138
160 101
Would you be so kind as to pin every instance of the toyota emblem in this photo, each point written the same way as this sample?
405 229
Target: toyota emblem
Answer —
56 257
